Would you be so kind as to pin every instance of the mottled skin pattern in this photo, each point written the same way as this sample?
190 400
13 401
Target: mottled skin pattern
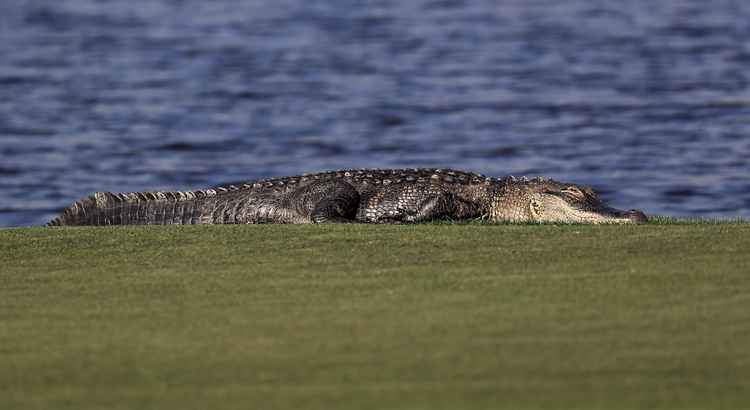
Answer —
355 196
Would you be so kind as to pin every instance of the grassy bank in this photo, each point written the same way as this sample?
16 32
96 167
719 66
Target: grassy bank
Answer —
417 317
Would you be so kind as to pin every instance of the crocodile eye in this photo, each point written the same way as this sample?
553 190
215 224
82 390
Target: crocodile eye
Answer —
574 192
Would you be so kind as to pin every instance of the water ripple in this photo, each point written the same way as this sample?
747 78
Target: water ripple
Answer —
647 101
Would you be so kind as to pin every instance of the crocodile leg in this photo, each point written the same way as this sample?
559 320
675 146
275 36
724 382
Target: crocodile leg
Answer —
339 204
325 201
443 206
333 211
415 207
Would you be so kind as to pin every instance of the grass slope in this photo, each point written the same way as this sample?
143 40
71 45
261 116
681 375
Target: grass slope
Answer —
417 317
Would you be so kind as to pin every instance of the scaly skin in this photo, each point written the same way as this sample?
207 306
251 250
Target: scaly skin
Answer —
355 196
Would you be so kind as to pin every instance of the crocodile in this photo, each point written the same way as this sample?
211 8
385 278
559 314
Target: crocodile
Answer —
356 196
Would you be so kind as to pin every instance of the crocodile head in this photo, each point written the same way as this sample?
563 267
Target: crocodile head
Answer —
548 201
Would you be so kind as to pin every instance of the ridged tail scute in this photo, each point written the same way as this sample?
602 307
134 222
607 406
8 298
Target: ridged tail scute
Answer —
139 208
78 212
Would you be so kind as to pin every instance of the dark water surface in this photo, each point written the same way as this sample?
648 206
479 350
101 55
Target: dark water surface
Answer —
648 101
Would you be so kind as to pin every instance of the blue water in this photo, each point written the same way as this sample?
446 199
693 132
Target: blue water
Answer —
647 101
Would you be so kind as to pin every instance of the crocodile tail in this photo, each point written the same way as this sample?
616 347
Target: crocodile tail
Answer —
76 213
140 208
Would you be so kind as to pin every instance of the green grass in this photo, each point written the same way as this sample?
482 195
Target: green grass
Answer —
376 317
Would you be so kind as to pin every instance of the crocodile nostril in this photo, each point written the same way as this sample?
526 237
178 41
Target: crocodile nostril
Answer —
636 216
